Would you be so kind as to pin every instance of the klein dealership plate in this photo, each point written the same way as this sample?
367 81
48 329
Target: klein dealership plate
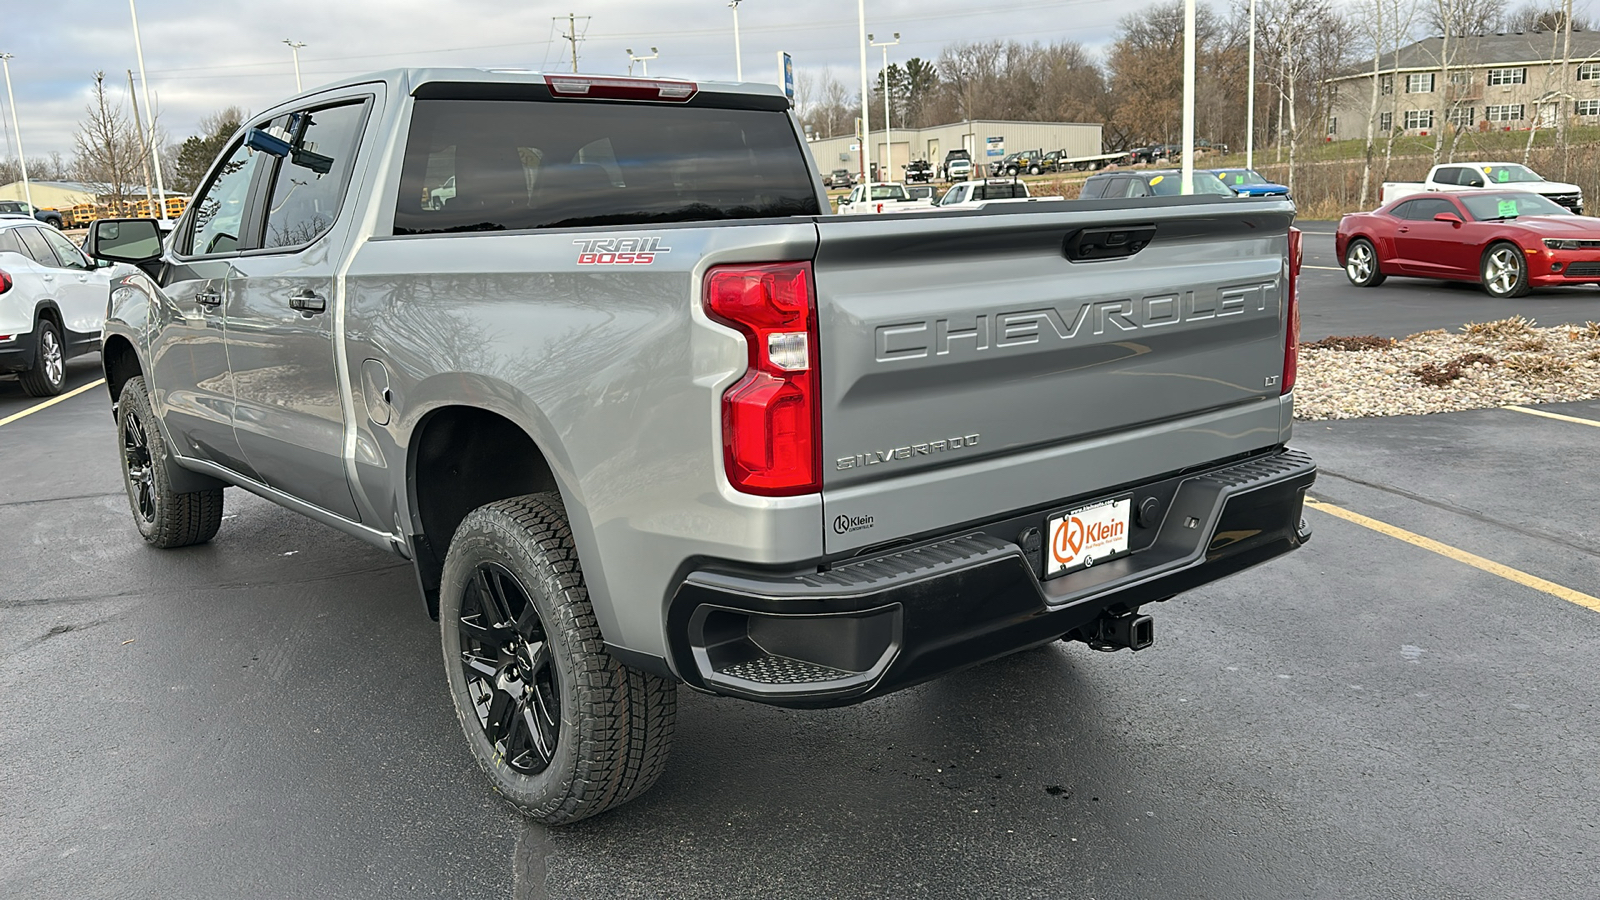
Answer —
1081 537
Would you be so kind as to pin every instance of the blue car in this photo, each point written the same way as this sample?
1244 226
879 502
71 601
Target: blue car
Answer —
1249 183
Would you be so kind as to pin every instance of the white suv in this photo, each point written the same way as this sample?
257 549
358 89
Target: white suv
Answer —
52 304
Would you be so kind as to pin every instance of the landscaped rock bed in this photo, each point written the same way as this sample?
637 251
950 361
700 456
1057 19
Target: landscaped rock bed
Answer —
1485 364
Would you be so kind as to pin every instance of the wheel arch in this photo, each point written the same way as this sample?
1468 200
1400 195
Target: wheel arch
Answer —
458 458
121 363
47 310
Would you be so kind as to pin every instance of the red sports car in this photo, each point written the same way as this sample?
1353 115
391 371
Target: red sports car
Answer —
1509 241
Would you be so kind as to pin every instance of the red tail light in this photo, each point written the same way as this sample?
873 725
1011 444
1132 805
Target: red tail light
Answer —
772 417
5 281
1291 348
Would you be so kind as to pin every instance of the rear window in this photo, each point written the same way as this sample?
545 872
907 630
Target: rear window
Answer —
999 191
495 165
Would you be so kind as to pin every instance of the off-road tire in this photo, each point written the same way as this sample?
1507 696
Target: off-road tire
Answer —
48 377
1361 264
1033 170
165 518
1504 271
616 723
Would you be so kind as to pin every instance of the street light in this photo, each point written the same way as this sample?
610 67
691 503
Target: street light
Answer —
738 60
149 115
1250 98
888 135
295 47
27 191
643 60
866 116
1187 185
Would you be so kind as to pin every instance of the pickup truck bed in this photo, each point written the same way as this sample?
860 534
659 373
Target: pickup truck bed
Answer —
641 414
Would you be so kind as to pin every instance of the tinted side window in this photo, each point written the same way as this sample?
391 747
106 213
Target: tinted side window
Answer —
219 210
65 252
557 163
1092 189
33 245
1447 176
9 242
1135 187
1425 210
1403 211
309 183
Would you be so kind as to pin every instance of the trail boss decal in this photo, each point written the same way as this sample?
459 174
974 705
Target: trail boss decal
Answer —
619 251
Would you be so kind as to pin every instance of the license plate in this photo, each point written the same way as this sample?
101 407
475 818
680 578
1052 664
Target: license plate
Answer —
1091 534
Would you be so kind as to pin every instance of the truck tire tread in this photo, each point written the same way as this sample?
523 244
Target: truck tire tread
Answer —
181 520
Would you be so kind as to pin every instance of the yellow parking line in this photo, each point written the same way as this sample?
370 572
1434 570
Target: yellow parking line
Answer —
1550 415
1471 559
52 402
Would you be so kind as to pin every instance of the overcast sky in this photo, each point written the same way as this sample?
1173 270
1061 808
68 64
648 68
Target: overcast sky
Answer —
203 55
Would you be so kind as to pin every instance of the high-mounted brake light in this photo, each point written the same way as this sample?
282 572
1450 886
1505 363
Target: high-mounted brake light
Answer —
595 88
1291 348
772 417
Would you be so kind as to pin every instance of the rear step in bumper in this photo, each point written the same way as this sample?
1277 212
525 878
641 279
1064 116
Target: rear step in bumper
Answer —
871 626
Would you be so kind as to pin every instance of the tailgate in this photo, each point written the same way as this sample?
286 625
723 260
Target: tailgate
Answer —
969 368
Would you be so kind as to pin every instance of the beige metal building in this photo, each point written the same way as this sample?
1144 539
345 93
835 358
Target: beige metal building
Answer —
50 194
986 139
1496 82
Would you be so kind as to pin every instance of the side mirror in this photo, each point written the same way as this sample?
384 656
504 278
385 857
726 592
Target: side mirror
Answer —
124 240
1452 218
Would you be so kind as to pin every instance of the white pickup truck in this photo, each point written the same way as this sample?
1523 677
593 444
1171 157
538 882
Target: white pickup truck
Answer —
1487 176
977 194
885 197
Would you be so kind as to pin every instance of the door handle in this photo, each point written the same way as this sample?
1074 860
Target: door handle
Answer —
208 297
1404 230
308 301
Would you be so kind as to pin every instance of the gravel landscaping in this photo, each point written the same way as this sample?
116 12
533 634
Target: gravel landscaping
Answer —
1485 364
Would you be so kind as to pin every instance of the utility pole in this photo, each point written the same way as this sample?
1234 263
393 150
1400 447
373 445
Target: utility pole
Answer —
149 114
1187 185
572 35
1566 75
641 60
22 158
144 149
295 47
738 59
866 101
888 135
1250 97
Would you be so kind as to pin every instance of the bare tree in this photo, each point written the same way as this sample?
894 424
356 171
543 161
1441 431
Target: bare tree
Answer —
1545 17
109 148
1465 18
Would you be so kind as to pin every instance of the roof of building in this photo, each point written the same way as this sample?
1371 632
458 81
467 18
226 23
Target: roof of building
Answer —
1487 50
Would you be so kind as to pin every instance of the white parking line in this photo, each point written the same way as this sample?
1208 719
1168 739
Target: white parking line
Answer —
1550 415
1324 268
51 402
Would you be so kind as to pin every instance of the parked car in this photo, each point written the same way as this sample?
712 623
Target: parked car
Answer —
839 178
924 192
52 304
1029 161
1249 183
1508 241
690 429
988 192
19 207
919 171
1202 145
1149 183
879 197
1489 176
957 165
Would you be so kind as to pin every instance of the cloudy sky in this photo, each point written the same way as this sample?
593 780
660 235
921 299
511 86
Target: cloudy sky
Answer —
202 55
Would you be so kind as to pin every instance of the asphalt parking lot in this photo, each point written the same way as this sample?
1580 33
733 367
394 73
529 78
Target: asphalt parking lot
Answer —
1371 716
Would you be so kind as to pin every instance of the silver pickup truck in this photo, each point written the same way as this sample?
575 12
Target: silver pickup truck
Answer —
642 414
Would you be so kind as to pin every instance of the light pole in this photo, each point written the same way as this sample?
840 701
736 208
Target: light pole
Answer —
866 105
27 191
642 60
295 47
1187 185
1250 98
738 60
149 115
888 136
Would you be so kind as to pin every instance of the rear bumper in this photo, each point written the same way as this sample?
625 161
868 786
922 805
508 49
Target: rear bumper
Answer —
17 354
870 626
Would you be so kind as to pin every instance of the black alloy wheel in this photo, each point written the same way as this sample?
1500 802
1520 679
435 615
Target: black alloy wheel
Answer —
136 462
510 676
